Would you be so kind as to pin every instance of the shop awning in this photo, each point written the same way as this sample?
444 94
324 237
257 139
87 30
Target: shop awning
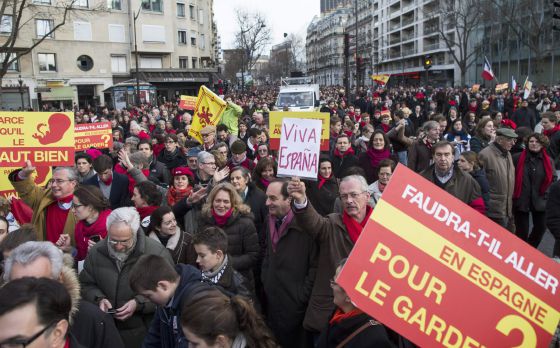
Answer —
175 76
58 93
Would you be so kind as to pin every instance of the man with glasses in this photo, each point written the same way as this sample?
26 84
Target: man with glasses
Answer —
106 271
498 165
51 207
206 168
35 312
336 233
208 135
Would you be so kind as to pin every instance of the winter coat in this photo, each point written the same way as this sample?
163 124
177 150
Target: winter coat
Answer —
256 200
230 117
159 174
172 160
165 330
38 199
89 325
374 194
86 177
554 149
341 164
179 246
501 177
477 144
334 245
553 212
323 198
524 117
288 275
243 243
85 231
234 283
533 176
101 278
119 195
482 180
373 336
419 156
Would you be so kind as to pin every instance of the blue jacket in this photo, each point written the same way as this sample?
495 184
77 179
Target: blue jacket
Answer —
165 330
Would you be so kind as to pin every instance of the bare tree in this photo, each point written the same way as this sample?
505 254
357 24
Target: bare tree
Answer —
233 62
297 49
457 23
253 37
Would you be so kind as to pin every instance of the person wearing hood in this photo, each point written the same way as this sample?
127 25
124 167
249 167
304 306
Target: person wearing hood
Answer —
88 324
166 286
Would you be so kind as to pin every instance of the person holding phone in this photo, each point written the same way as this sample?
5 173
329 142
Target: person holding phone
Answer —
91 209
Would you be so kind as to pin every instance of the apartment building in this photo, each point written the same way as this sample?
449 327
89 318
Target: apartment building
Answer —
360 41
95 50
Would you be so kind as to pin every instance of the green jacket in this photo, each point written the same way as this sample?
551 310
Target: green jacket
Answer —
101 278
230 117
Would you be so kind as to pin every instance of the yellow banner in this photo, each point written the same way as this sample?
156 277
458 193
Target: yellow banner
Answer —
381 79
442 250
208 112
501 87
41 176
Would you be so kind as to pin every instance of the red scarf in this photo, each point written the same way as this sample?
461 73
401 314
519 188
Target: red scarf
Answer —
381 186
222 220
146 211
337 153
108 181
428 144
339 315
132 182
354 227
174 195
56 219
519 174
322 180
386 128
549 133
376 156
349 133
264 182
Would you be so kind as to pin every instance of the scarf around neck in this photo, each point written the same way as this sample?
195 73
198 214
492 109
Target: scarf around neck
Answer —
337 153
354 227
549 133
339 315
174 195
215 276
275 234
376 156
519 171
221 221
322 180
146 211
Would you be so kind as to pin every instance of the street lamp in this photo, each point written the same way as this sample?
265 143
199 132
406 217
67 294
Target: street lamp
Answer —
20 81
243 53
136 14
287 60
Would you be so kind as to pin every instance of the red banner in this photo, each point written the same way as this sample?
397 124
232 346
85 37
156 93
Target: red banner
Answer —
441 274
98 135
187 102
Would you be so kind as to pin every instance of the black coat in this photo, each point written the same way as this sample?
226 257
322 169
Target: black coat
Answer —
373 336
288 275
533 176
341 164
243 243
482 180
119 196
524 117
159 174
172 160
553 214
256 200
554 148
94 328
322 199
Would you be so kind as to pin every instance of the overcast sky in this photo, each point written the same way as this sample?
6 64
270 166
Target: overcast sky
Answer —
284 16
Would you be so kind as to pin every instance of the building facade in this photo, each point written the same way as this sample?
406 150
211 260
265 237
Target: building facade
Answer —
96 48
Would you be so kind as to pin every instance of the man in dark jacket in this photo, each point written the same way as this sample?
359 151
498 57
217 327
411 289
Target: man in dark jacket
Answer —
553 215
113 185
167 287
551 129
88 324
343 156
420 152
159 174
524 116
288 270
106 272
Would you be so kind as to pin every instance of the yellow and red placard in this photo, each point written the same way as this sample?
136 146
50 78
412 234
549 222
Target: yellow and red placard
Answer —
208 111
41 176
187 102
441 274
275 126
98 135
501 87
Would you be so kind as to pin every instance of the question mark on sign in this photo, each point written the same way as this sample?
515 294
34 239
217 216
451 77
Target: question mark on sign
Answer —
106 138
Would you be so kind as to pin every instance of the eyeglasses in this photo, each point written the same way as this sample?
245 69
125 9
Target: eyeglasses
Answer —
121 242
59 181
207 135
75 206
24 342
353 195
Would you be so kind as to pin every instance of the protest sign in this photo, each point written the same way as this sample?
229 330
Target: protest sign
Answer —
275 126
98 135
441 274
41 176
208 112
300 144
501 87
44 138
187 102
475 88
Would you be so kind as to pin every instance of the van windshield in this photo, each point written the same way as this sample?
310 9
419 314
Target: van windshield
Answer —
295 99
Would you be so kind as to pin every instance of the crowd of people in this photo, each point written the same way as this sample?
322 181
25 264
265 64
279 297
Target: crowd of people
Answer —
165 241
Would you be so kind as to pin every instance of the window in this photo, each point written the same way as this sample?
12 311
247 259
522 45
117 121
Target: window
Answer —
202 42
192 13
153 33
82 31
180 10
48 2
194 59
182 35
6 24
183 63
81 3
201 16
14 66
116 33
118 64
85 63
152 5
44 26
114 4
47 62
150 62
193 38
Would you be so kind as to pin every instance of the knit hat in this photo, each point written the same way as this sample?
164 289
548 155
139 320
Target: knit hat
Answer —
182 171
238 147
94 153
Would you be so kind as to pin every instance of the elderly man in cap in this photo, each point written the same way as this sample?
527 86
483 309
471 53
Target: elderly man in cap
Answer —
208 134
192 158
239 156
498 165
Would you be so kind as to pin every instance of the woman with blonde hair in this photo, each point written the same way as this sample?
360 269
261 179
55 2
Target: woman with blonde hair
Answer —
225 209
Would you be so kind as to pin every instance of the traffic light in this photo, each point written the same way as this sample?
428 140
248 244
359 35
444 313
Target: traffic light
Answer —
427 62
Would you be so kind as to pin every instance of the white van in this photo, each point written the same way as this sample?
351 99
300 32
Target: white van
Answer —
298 94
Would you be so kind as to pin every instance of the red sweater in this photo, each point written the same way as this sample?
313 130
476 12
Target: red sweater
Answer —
83 231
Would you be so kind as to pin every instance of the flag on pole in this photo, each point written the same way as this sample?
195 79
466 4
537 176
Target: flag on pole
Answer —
487 73
207 112
381 79
527 86
513 84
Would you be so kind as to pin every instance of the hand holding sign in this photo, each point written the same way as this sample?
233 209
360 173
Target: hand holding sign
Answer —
296 189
